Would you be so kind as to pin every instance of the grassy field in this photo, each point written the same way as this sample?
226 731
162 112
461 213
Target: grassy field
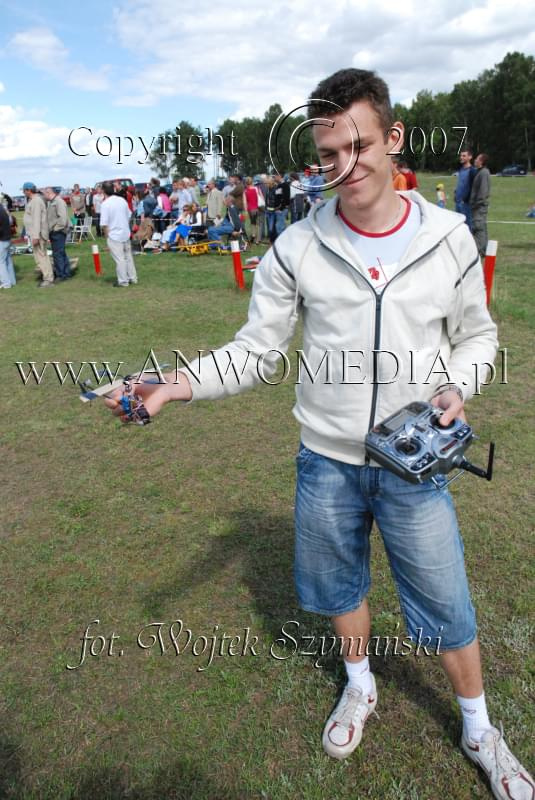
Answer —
190 519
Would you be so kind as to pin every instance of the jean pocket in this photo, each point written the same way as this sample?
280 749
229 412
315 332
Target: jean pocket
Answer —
304 456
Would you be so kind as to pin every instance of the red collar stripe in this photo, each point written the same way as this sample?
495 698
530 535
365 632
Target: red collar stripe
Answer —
383 233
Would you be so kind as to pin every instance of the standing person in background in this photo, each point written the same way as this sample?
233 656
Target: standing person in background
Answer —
306 180
215 204
297 198
7 270
314 184
251 198
184 196
277 204
173 198
98 199
89 203
261 191
465 177
238 193
58 226
78 204
164 213
115 222
479 203
193 189
149 203
270 208
410 176
36 224
131 198
398 179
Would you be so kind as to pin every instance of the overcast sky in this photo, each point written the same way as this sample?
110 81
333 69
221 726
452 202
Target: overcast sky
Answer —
136 68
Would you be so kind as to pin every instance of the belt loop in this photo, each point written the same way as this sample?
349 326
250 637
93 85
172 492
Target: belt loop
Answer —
377 486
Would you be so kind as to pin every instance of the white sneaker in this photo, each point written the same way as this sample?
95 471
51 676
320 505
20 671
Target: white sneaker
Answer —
508 778
343 730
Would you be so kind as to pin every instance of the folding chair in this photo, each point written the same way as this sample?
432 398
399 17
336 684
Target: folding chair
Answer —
84 229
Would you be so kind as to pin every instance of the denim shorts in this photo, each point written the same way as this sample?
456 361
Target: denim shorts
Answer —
336 504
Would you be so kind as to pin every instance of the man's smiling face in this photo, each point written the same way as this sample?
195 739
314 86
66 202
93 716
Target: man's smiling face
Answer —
362 146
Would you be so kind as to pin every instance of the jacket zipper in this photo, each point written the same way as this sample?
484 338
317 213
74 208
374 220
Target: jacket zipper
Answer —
378 310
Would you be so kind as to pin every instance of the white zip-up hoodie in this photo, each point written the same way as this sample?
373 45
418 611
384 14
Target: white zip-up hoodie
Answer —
364 355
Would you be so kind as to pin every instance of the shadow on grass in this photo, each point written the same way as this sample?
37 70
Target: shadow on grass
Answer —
10 768
263 545
178 781
410 680
259 545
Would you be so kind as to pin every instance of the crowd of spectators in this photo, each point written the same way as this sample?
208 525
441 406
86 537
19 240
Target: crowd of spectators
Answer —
154 216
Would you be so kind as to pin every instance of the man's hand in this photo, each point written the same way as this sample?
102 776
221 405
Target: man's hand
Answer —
452 405
35 242
153 395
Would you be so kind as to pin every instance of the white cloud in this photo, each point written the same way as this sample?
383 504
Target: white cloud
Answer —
265 53
24 138
260 54
41 48
31 149
2 87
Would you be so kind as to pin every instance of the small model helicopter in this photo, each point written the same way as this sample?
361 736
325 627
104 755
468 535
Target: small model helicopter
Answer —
131 403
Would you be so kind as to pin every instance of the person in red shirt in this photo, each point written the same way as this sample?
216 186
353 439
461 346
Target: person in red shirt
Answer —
130 192
251 197
410 176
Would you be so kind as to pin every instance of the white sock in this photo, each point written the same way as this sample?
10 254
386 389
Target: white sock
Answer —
475 718
359 675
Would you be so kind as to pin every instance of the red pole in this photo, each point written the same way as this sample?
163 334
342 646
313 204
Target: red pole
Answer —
488 266
96 258
236 259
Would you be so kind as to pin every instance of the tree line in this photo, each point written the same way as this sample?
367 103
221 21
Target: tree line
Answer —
494 114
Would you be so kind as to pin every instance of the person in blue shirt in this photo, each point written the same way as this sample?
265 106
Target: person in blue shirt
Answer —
465 178
315 185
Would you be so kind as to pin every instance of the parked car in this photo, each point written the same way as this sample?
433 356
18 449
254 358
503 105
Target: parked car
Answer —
123 181
19 202
513 170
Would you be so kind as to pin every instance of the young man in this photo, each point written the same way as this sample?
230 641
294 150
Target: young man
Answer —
465 177
115 222
372 271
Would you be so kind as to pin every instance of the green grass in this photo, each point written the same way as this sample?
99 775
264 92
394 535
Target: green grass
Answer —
191 519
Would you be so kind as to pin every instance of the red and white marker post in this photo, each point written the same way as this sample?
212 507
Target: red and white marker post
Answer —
96 258
236 260
489 265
